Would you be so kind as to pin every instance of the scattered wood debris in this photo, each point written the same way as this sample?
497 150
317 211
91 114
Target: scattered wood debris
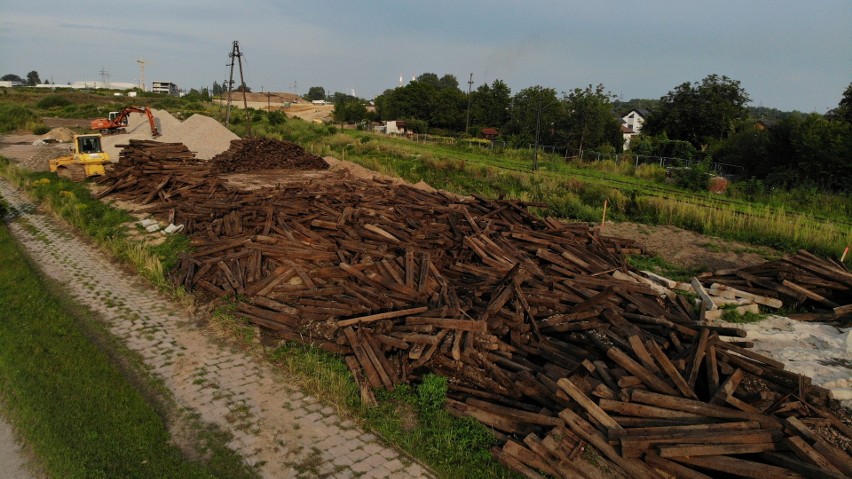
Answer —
545 334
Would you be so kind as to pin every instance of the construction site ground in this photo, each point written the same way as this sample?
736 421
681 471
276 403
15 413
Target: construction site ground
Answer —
278 427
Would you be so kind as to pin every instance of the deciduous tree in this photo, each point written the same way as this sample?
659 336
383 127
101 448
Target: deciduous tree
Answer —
588 121
315 93
33 78
700 113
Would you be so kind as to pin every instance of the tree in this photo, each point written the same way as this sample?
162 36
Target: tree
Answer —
315 93
426 100
430 79
531 107
12 78
33 79
448 81
700 113
588 121
348 109
843 111
489 105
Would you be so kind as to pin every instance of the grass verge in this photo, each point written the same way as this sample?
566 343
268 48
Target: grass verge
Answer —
411 418
69 398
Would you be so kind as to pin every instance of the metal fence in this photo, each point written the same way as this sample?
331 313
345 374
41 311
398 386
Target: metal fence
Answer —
727 170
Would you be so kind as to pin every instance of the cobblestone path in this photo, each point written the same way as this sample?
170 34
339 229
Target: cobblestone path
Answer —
282 431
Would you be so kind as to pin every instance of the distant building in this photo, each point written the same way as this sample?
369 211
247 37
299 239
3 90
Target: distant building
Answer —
168 88
94 85
489 133
318 102
9 84
631 125
391 128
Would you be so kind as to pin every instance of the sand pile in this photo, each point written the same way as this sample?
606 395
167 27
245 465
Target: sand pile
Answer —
252 154
201 134
62 135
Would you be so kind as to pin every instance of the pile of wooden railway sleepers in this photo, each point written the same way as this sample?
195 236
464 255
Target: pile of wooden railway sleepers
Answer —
799 280
250 154
539 326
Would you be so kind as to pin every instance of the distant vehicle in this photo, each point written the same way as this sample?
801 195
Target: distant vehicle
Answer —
117 121
87 160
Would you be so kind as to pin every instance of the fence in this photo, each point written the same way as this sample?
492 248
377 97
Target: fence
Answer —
727 170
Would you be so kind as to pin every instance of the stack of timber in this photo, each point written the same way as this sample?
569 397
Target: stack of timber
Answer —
543 332
801 280
250 154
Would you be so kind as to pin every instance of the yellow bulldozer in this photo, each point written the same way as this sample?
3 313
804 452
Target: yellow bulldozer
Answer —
87 160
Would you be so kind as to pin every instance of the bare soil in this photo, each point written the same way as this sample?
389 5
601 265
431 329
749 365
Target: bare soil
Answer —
691 250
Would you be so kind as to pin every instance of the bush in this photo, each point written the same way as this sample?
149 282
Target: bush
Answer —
652 172
692 178
276 117
53 101
16 117
41 130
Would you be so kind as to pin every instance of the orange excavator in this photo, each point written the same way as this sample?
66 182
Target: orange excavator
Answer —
117 121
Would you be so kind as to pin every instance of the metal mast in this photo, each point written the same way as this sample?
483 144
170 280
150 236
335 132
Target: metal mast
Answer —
467 120
235 53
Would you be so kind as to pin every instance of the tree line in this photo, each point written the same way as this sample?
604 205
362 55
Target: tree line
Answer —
32 78
706 120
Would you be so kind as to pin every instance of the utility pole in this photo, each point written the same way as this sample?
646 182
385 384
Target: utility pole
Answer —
538 129
467 120
235 53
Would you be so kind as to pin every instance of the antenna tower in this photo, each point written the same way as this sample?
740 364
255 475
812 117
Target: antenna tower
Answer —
236 53
104 78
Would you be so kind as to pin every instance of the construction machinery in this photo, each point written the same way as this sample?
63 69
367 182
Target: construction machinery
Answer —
117 121
87 160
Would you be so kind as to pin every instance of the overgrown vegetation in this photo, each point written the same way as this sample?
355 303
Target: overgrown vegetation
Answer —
70 400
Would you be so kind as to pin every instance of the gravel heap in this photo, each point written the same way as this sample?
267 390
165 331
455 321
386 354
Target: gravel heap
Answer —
252 154
201 134
62 135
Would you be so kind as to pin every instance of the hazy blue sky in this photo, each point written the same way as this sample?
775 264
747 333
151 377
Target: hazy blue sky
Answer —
787 54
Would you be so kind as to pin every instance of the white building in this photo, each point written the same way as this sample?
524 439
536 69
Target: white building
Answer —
631 125
168 88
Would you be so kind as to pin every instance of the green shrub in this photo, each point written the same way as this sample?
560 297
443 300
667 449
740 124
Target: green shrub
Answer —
651 172
276 117
695 177
16 117
53 101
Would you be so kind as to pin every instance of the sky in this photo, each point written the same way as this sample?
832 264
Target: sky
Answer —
790 55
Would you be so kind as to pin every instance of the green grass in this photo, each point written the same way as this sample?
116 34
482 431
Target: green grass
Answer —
105 224
411 417
658 265
68 397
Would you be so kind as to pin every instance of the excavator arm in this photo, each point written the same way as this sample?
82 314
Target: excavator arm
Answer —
114 125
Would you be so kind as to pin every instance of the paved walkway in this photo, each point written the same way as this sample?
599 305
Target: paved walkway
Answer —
12 459
282 431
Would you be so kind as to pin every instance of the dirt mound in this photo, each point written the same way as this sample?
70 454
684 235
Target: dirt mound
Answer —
252 154
62 135
201 134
